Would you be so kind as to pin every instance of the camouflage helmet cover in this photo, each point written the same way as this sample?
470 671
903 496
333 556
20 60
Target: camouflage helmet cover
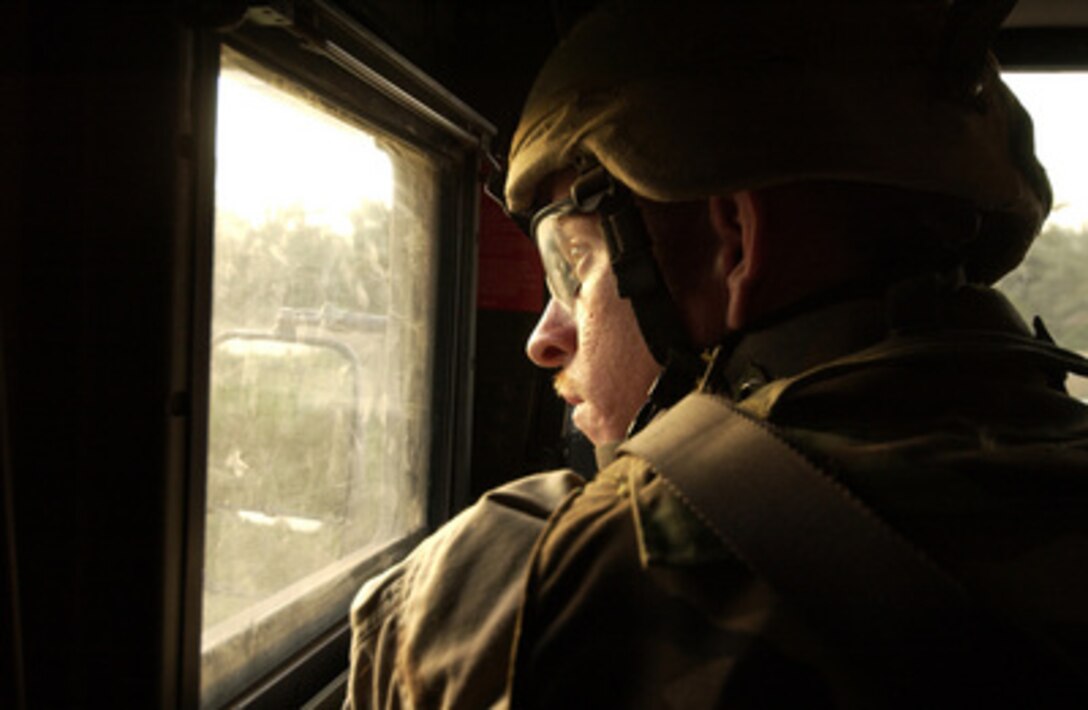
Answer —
685 100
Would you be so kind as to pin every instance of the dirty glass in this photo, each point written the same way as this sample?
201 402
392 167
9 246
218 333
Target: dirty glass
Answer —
323 309
1052 282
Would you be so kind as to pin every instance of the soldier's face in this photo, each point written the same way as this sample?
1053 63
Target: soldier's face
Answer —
605 368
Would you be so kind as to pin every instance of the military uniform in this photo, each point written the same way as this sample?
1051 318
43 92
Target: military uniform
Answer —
941 412
932 404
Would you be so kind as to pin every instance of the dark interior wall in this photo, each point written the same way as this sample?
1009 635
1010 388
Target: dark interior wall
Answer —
12 88
88 270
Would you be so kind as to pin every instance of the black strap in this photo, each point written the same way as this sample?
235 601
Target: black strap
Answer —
826 552
638 275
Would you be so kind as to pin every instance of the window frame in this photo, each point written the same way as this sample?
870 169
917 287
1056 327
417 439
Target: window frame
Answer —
1042 48
321 49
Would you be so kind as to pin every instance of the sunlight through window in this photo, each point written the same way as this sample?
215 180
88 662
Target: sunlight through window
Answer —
323 309
1052 282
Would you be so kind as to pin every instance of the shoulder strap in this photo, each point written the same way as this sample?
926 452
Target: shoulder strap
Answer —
789 522
827 553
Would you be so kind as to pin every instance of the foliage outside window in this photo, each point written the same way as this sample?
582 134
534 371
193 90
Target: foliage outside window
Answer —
323 310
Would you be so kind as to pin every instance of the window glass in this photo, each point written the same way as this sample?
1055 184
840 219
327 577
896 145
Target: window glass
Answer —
1052 282
322 317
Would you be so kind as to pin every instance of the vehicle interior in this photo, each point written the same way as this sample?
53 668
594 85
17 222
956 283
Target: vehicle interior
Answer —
261 329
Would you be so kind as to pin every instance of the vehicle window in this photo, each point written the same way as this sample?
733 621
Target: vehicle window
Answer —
322 318
1053 280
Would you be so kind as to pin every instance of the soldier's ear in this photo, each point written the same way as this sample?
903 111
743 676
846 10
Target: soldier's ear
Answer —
738 221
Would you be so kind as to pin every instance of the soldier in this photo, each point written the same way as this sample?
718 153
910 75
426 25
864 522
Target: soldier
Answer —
857 479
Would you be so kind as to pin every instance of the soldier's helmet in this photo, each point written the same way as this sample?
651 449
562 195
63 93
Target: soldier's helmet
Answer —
683 100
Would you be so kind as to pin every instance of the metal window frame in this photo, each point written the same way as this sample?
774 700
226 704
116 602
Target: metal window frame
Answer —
317 46
1043 48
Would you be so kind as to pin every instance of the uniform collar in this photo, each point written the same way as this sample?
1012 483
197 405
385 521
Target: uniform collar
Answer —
837 328
840 325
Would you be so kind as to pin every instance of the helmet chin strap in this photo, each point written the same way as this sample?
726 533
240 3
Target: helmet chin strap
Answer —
639 279
678 379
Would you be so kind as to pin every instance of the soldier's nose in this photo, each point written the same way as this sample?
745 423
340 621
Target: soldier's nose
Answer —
554 339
